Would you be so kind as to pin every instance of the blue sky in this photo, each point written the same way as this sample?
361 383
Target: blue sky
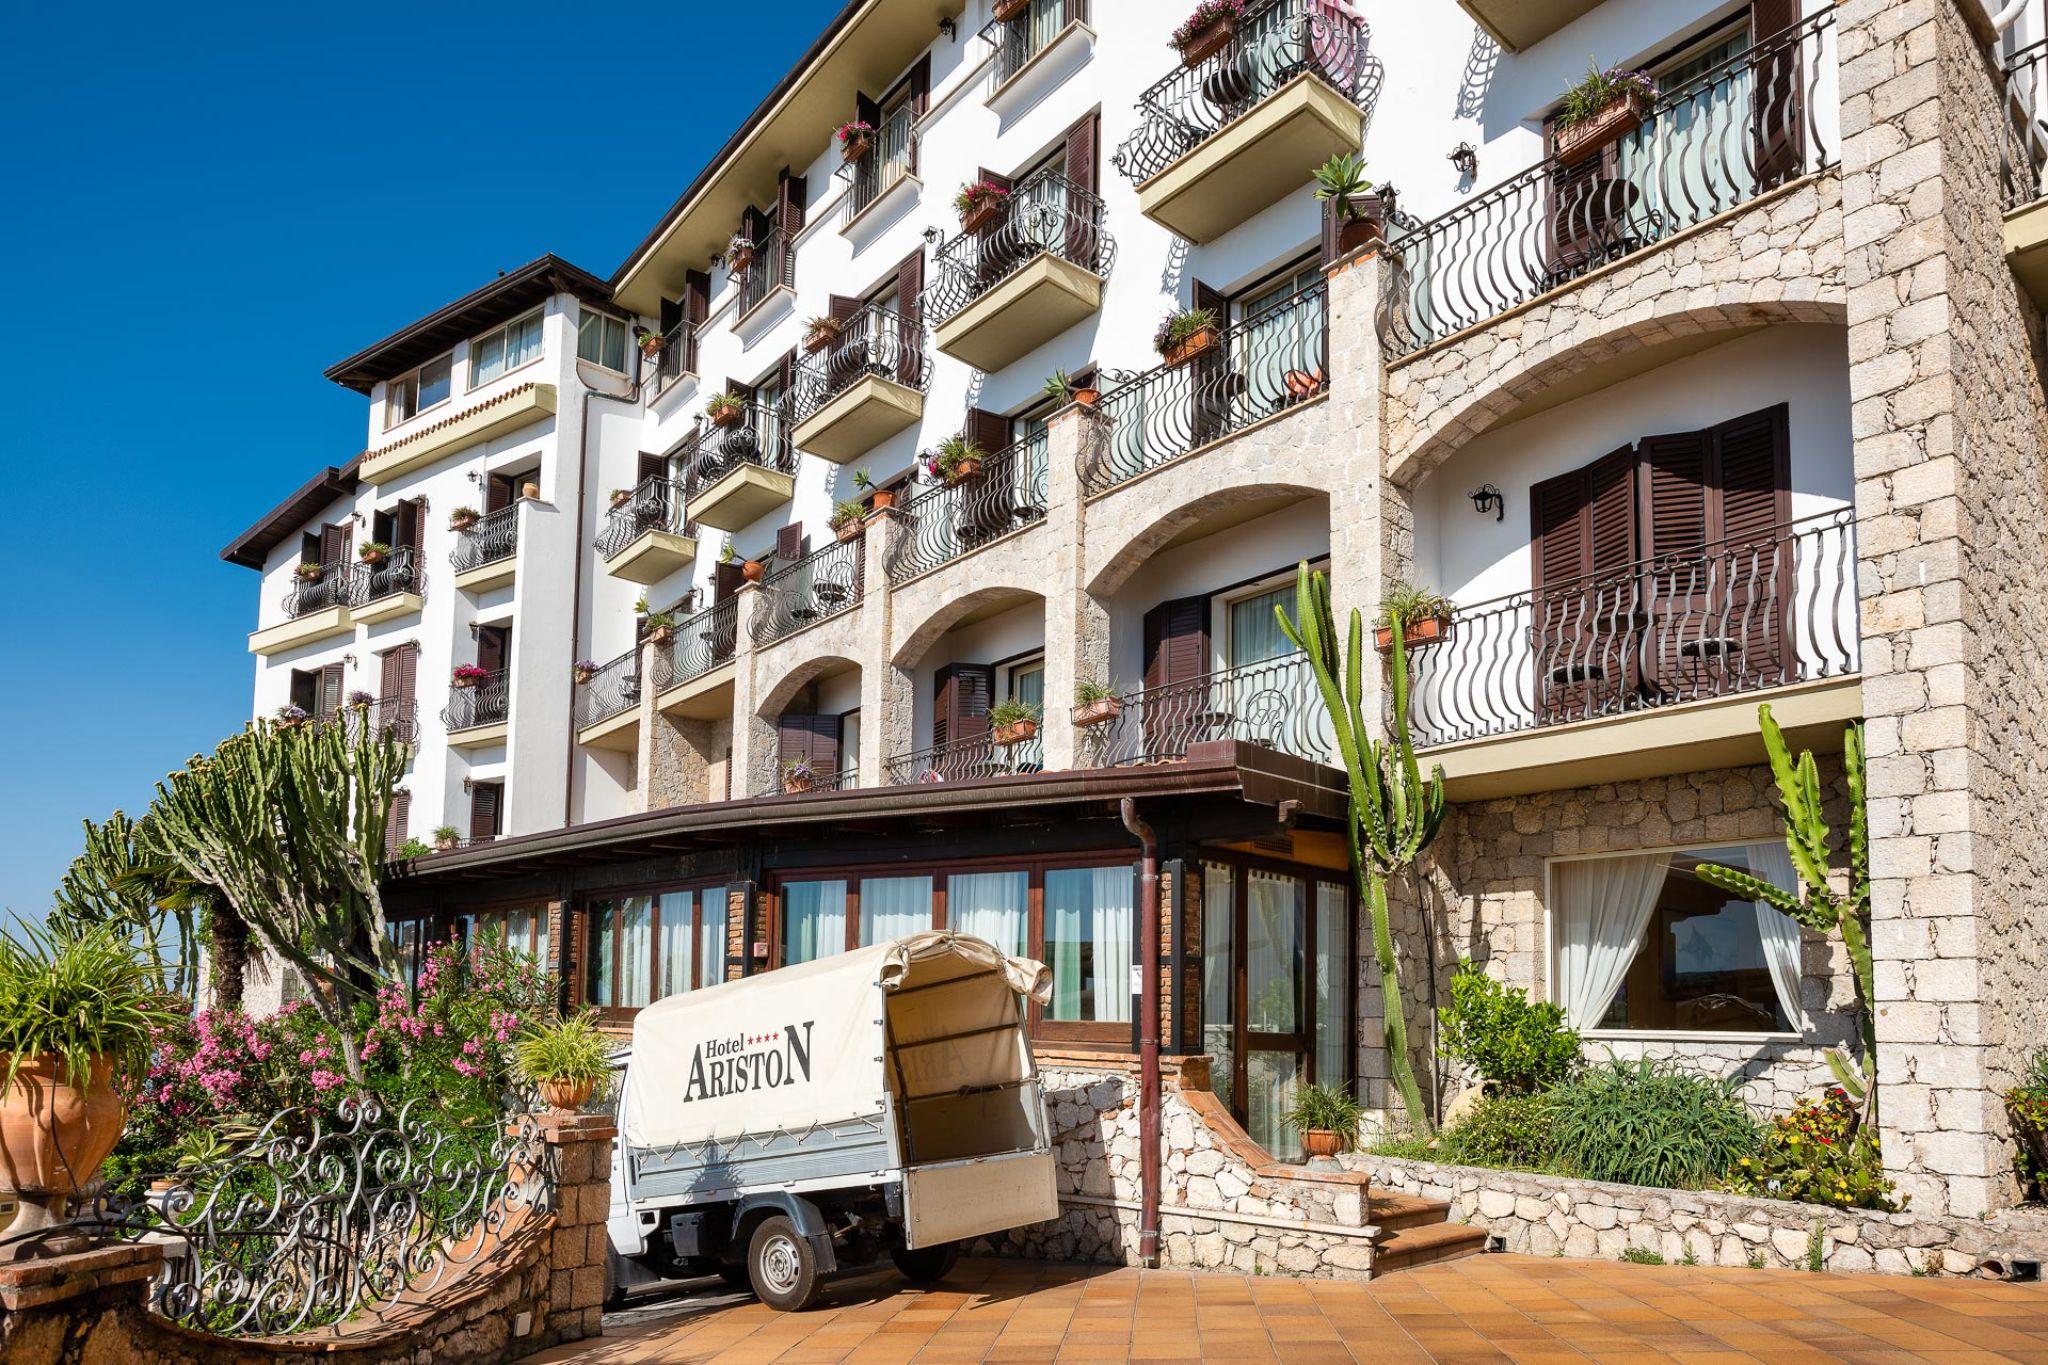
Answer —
204 207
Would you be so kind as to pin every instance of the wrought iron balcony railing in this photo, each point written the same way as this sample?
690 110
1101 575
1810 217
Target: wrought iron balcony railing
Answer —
1047 213
1276 359
875 341
1739 129
398 717
845 779
612 691
758 436
485 702
1275 42
656 505
817 587
700 644
2026 132
771 267
678 355
494 537
890 155
1017 40
963 760
1274 703
335 587
944 522
1739 616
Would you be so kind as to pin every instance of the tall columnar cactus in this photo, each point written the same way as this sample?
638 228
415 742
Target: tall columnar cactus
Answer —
289 824
113 882
1817 905
1395 815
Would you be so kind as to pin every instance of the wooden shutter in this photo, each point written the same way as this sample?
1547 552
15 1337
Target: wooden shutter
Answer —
920 102
390 666
811 737
1777 95
1212 384
910 319
671 315
726 580
1176 639
790 543
1084 234
790 196
1081 155
395 828
334 543
306 690
328 700
867 110
497 493
960 701
411 526
491 648
1751 468
984 518
485 798
1583 530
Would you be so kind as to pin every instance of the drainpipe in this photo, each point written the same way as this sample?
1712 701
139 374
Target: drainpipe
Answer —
1148 1032
2003 19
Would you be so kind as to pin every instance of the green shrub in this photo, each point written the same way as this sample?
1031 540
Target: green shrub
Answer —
1648 1122
572 1049
1510 1131
2027 1104
1817 1155
1328 1107
1495 1029
1642 1256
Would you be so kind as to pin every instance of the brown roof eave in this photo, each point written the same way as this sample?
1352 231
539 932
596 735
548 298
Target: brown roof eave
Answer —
254 545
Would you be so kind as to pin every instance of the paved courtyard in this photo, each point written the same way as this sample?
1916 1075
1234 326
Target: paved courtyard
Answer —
1484 1308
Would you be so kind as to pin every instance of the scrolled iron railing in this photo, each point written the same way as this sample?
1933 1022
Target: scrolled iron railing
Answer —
335 587
484 702
877 342
398 717
700 643
1741 615
655 505
947 521
1273 703
890 156
1274 360
400 572
819 586
495 536
1047 213
1739 129
845 779
963 760
1276 42
1016 40
2026 130
612 691
678 355
758 436
772 267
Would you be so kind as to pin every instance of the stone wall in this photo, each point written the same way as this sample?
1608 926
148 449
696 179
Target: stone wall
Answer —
1542 1215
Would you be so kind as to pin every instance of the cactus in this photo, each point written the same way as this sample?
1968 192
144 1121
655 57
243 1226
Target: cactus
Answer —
1817 906
1395 815
114 882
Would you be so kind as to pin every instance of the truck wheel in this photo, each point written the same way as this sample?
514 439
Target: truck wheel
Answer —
614 1278
782 1265
927 1265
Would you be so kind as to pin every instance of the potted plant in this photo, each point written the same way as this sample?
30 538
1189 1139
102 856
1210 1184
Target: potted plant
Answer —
373 552
652 343
1326 1116
855 137
979 203
1207 31
956 460
463 518
724 409
820 332
468 675
1012 721
739 252
797 775
310 572
1425 617
291 717
584 669
76 1018
530 490
1006 10
621 496
1184 334
846 520
753 570
1096 702
877 497
447 837
1342 188
1600 109
564 1060
1061 389
360 700
661 627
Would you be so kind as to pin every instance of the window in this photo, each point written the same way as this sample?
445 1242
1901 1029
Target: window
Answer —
813 921
849 749
523 929
893 908
650 945
1643 943
504 350
601 340
409 395
1088 930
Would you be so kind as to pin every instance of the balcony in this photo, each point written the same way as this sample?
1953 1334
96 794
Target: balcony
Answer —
487 555
519 406
1651 668
945 522
1033 53
881 181
645 538
816 588
314 610
735 474
1261 367
477 715
387 591
678 359
1738 131
693 672
766 285
2026 168
607 708
965 760
863 388
1274 703
999 294
398 717
1241 130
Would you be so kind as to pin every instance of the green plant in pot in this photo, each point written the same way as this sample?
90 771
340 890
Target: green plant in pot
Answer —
846 519
446 837
1012 721
724 409
1062 389
564 1060
1326 1116
1599 109
77 1012
1186 333
1096 702
1344 192
373 552
957 459
1424 614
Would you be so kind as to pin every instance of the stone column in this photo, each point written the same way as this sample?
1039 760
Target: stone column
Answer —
753 739
580 1146
884 696
1076 622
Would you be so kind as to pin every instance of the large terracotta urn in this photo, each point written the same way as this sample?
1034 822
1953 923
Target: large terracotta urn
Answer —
54 1135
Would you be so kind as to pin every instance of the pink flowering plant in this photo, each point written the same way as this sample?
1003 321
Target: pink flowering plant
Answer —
972 196
854 130
1207 15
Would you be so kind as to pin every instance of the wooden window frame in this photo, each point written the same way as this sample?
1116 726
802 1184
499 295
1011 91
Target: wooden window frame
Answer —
472 382
585 926
412 377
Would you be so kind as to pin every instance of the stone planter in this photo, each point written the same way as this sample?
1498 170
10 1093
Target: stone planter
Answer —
1208 42
1015 733
1604 129
1098 712
566 1097
1194 345
1426 630
54 1135
1321 1142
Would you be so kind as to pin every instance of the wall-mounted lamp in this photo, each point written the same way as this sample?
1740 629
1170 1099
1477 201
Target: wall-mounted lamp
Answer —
1466 159
349 659
469 784
1487 498
932 235
475 631
949 28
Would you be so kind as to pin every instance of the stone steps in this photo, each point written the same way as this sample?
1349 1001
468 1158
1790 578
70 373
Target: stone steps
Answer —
1416 1231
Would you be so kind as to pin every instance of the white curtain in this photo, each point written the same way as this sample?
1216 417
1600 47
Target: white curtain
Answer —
635 950
1603 906
1779 931
893 908
1333 982
711 938
1273 952
677 942
1088 914
813 921
990 906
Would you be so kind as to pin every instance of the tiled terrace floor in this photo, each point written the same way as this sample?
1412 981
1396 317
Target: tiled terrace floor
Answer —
1484 1308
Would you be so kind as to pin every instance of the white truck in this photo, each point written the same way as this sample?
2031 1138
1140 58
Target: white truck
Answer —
879 1103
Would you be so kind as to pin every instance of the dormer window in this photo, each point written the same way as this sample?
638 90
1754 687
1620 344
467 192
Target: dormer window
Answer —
505 349
411 394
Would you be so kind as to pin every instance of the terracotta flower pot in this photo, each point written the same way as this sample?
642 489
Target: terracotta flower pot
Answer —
853 149
530 490
1609 126
984 213
461 523
742 258
651 346
753 571
621 497
1322 1142
1015 733
818 340
1192 346
373 557
1425 630
1208 42
849 530
1088 398
881 498
446 845
661 635
964 470
584 675
1097 712
462 682
53 1134
791 786
1007 10
566 1097
725 417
